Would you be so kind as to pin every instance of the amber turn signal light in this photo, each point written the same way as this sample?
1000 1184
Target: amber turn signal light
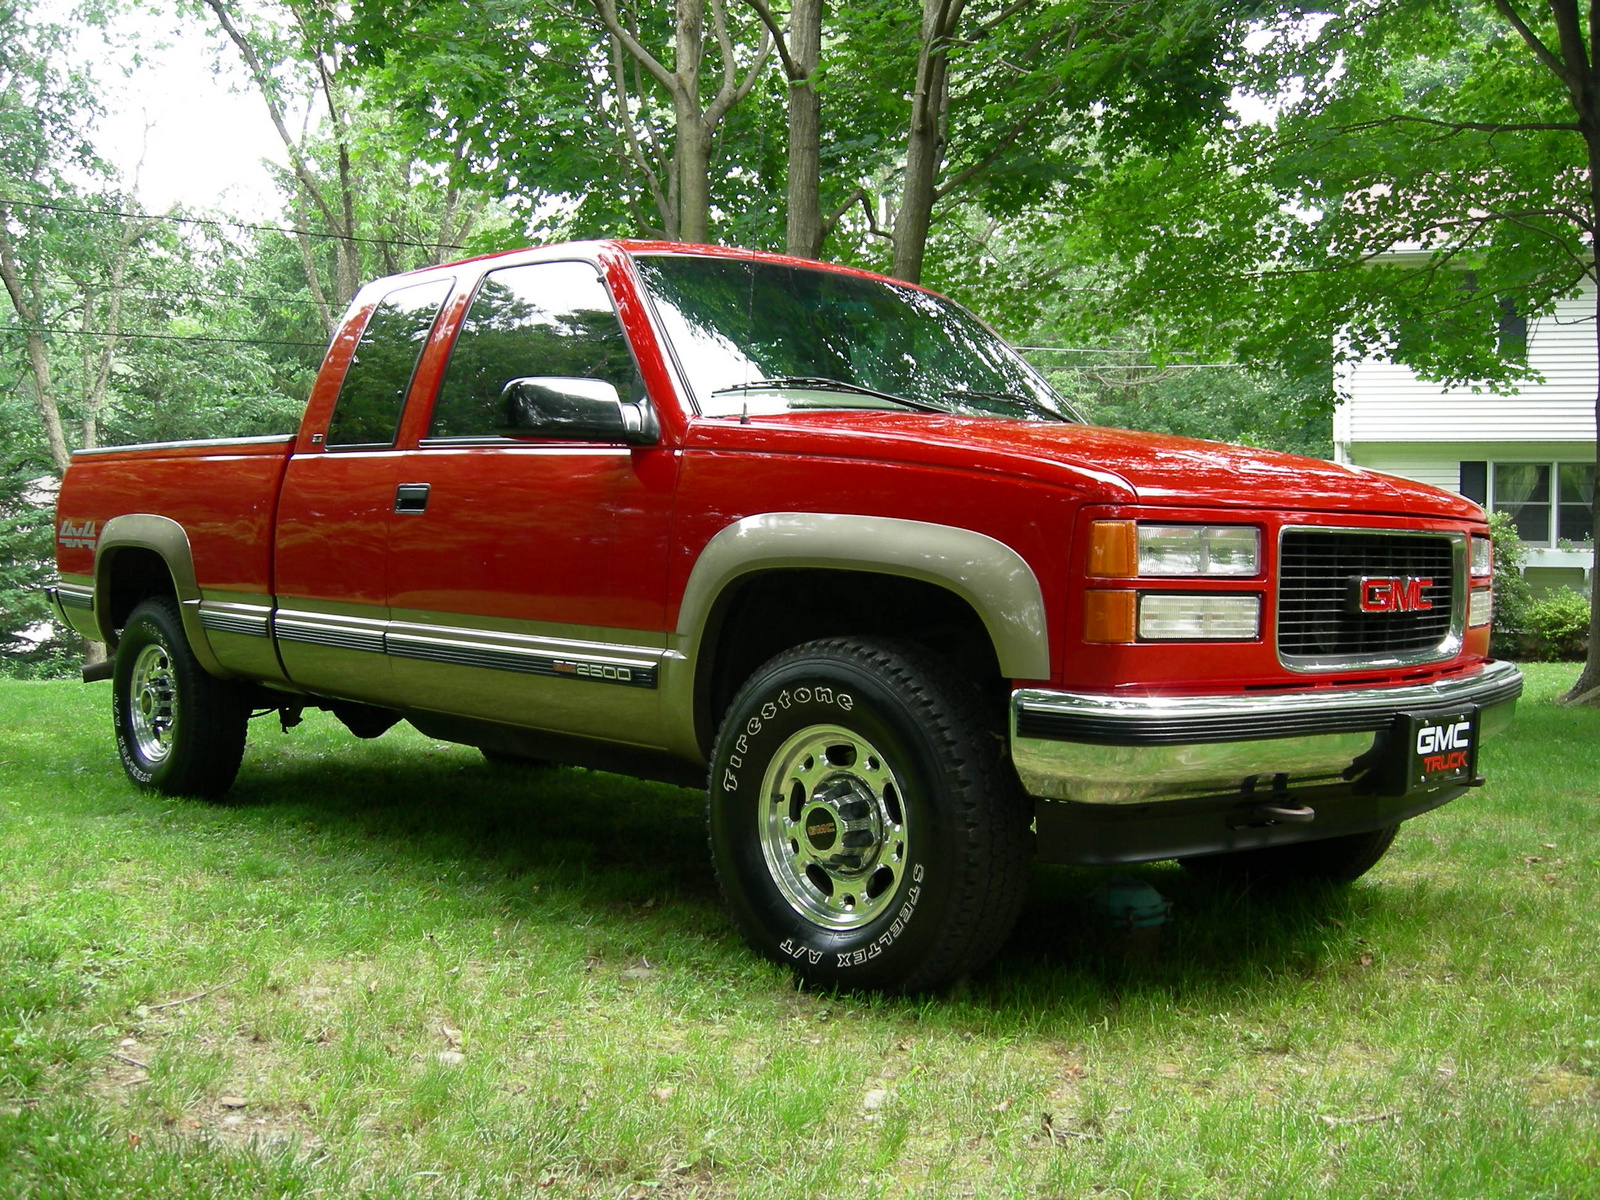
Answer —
1110 616
1113 550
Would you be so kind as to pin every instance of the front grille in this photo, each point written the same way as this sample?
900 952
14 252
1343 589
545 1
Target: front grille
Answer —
1317 617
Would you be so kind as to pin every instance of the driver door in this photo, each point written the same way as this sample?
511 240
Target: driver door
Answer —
527 572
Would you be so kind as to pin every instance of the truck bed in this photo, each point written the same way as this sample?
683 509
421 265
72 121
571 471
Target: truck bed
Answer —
222 492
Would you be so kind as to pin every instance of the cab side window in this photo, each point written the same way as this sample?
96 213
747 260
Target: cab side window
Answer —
537 320
367 412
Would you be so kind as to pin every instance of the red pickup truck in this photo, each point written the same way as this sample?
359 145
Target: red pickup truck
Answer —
822 538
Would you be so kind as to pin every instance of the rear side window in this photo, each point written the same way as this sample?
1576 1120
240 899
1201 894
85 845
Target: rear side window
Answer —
367 412
536 320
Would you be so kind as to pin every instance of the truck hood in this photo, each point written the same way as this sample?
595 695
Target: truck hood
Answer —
1128 467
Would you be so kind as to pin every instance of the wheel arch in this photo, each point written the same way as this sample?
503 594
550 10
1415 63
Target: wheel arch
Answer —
144 554
980 579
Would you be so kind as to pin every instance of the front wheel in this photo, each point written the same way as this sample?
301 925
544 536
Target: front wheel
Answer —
180 731
864 828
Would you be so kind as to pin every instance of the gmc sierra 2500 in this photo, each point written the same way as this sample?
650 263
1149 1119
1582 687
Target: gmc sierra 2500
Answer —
821 538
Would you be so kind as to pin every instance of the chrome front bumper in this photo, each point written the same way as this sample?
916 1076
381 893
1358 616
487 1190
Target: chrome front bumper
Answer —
1098 748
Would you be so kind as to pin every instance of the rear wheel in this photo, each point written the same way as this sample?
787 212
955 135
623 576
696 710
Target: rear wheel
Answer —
179 730
863 826
1328 860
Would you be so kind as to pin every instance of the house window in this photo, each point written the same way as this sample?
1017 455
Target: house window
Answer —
1511 332
1575 502
1548 502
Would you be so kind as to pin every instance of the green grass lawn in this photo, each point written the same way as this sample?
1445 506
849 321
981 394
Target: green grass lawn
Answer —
389 969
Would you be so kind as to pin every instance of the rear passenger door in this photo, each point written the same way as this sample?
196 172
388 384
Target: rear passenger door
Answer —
527 580
338 497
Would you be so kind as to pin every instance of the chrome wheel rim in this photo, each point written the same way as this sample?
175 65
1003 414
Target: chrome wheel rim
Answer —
833 827
153 703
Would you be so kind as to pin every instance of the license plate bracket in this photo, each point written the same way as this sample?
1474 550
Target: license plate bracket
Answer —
1437 749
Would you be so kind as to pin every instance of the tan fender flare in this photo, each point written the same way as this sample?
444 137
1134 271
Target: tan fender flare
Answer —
989 575
167 539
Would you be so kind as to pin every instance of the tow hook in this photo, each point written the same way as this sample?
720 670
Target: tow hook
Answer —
1278 809
1269 812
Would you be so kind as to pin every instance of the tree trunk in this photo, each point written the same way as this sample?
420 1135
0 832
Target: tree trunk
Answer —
44 395
925 138
692 157
694 181
805 228
695 123
1587 689
38 353
1583 88
98 361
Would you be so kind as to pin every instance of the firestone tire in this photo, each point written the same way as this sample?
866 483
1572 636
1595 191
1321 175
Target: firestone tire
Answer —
1329 860
865 831
180 731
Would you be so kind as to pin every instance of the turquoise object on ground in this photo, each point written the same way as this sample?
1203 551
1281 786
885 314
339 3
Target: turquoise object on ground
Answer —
1130 903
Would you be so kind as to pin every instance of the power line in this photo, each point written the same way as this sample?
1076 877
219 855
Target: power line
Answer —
141 291
1076 350
338 237
162 337
1121 366
1109 350
1125 366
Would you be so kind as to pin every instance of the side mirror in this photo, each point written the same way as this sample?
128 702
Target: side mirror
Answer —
574 410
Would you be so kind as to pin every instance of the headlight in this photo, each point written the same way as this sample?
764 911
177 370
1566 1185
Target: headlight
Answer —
1198 549
1122 618
1128 549
1482 557
1170 617
1480 607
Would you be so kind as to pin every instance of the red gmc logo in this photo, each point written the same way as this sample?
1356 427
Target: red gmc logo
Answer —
1386 593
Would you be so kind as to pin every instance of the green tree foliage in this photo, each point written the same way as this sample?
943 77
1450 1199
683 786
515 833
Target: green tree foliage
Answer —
1222 402
116 325
1418 128
582 111
30 645
581 125
368 200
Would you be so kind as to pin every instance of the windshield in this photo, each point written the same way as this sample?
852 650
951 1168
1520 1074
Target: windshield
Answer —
761 337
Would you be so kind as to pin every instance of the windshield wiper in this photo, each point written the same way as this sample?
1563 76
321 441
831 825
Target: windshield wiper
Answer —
1027 403
822 383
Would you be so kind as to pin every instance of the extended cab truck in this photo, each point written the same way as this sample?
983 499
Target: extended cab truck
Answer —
822 538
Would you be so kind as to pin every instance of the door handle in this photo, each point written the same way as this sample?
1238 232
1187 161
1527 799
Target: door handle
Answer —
411 498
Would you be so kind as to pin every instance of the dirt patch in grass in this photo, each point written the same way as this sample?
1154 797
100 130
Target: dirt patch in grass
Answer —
1557 1085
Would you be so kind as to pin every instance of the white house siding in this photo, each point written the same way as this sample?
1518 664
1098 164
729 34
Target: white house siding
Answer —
1410 461
1385 403
1440 463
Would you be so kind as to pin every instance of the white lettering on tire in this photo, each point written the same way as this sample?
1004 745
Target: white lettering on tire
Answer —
821 695
854 958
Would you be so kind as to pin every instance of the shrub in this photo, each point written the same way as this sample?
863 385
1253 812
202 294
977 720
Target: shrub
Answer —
1556 627
1512 595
